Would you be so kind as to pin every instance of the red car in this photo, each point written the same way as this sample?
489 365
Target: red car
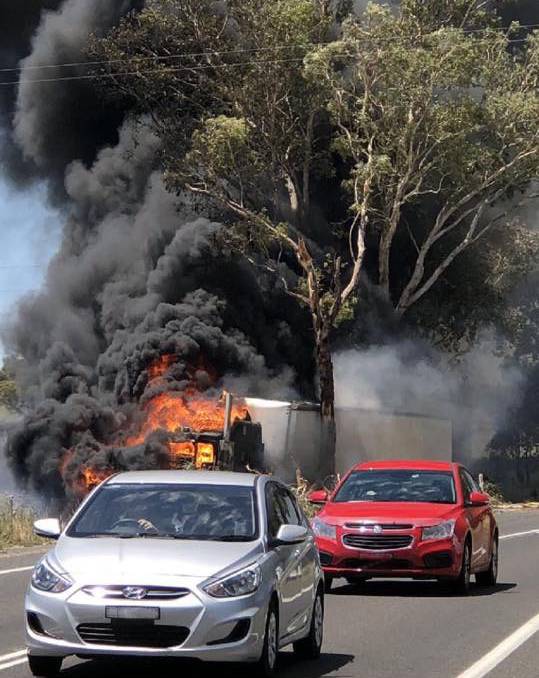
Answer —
418 519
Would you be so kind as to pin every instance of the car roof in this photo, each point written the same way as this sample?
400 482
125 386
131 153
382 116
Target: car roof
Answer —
412 464
184 477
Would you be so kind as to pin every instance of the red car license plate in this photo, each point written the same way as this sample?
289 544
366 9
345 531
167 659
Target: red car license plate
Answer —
369 555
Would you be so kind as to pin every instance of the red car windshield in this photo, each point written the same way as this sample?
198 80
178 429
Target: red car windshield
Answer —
398 485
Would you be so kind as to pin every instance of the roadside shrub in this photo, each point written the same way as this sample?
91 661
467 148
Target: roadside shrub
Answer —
494 492
16 524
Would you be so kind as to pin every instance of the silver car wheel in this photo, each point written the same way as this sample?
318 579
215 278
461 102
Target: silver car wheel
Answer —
272 640
495 559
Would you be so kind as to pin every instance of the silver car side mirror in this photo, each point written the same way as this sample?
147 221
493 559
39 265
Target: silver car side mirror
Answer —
291 534
48 527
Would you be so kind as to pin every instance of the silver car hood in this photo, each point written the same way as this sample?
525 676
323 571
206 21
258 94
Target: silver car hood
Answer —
107 559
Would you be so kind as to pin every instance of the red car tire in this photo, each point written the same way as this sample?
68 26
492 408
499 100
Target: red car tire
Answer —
461 584
490 576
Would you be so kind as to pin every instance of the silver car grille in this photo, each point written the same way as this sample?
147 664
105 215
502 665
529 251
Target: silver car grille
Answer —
151 592
133 634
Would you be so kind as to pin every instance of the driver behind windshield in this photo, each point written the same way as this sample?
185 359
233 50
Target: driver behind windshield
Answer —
186 513
188 516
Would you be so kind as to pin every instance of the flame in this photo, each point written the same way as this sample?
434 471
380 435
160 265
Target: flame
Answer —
160 366
92 477
174 412
202 454
205 454
182 450
87 477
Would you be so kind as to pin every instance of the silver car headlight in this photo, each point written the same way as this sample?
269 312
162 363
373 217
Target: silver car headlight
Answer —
240 583
443 530
325 530
45 578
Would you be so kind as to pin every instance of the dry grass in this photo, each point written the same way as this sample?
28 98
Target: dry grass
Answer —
302 489
16 525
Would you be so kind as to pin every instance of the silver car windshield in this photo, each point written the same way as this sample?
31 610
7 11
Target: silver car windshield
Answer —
198 512
400 485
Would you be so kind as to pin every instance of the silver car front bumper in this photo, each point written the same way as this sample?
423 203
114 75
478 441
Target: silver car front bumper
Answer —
209 622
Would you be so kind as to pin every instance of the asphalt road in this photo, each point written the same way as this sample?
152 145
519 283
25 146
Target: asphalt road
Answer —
384 629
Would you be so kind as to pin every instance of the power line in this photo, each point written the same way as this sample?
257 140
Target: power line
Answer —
184 55
273 48
175 69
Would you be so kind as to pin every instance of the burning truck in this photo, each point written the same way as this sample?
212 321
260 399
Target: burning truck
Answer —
206 434
178 425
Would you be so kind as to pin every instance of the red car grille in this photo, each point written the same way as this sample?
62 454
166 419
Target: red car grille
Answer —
377 542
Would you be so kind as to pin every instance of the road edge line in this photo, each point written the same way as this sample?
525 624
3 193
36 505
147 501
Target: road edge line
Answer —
518 534
503 650
17 569
9 665
11 655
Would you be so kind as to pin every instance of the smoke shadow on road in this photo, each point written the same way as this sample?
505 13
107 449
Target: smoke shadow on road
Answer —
415 589
168 668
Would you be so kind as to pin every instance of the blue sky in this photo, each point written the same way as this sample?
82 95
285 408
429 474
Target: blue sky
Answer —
29 237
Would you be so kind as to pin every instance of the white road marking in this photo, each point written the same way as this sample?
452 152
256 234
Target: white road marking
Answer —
12 655
515 534
503 650
8 661
10 665
17 569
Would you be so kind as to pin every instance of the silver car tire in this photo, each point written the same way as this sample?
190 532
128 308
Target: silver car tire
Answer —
267 663
311 646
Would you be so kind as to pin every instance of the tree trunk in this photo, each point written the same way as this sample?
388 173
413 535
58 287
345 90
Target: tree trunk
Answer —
328 438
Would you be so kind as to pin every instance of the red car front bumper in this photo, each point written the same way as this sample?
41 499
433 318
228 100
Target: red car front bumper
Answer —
421 559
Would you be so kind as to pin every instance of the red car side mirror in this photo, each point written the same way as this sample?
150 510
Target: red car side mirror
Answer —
318 497
479 499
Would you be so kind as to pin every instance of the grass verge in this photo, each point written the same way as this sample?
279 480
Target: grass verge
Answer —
16 525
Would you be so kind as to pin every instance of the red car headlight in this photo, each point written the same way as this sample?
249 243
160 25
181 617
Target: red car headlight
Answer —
324 530
443 530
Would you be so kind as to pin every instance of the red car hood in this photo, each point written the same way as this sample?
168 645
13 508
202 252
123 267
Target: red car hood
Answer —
387 512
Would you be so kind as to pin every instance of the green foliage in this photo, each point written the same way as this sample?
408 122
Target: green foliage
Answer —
429 117
220 147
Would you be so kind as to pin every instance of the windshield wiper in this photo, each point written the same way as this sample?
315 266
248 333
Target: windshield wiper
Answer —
143 535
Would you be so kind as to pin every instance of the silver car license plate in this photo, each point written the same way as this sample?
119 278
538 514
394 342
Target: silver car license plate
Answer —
132 612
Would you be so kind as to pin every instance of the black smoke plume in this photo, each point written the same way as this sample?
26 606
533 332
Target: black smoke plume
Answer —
139 275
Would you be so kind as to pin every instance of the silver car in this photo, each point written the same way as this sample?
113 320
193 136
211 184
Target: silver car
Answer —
209 565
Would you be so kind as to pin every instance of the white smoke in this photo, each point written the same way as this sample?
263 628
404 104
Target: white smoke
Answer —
479 389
